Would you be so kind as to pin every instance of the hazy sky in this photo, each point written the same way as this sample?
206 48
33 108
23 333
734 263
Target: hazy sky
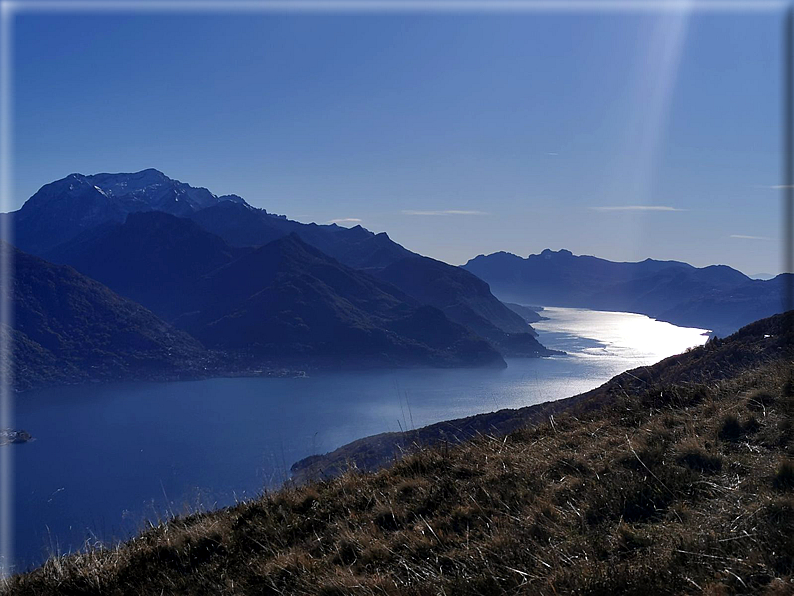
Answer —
621 135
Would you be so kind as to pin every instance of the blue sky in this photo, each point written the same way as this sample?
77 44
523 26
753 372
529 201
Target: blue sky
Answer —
621 135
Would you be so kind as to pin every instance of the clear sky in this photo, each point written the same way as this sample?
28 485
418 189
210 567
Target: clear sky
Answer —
621 135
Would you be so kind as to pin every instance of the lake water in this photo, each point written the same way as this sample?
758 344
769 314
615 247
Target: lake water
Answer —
108 457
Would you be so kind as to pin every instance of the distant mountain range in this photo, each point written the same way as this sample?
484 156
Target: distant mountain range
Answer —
717 297
157 259
240 279
246 284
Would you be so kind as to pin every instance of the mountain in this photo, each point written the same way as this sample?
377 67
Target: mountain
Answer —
727 310
114 228
153 258
288 299
69 328
160 261
668 290
531 314
465 299
559 278
61 210
242 225
283 300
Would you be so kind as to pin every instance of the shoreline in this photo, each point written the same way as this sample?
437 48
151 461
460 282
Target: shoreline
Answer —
275 371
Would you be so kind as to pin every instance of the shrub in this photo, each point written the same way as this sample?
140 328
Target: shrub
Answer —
760 400
695 457
631 539
784 477
305 501
347 552
386 519
730 428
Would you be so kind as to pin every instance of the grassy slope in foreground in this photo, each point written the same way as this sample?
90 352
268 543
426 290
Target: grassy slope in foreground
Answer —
675 479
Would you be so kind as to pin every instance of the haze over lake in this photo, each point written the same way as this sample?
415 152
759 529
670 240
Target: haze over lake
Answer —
107 457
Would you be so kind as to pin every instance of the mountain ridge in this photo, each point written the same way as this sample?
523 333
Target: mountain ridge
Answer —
290 299
671 291
89 210
62 209
105 251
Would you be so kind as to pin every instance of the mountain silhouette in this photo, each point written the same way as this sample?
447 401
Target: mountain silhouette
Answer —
716 297
133 236
290 300
61 210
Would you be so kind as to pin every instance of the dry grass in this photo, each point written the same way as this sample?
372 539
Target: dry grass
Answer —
646 496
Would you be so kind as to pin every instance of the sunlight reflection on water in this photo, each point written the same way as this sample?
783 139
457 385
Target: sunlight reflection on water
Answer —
627 336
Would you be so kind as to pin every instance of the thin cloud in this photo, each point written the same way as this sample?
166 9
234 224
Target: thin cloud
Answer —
345 220
746 237
638 208
552 153
444 212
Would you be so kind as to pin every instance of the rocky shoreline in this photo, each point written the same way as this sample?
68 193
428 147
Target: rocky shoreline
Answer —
9 436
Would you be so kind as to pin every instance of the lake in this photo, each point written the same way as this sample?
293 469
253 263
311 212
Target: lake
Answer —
108 457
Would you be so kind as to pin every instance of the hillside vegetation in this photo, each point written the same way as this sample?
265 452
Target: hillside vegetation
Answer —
71 329
673 479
